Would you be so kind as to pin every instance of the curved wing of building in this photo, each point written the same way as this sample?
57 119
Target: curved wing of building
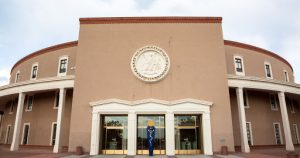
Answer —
178 74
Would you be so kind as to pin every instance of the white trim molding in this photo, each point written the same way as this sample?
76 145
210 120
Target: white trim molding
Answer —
17 76
286 76
270 68
7 134
27 141
33 65
151 106
242 64
277 123
52 125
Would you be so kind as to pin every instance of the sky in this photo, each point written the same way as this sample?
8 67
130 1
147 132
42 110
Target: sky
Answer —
29 25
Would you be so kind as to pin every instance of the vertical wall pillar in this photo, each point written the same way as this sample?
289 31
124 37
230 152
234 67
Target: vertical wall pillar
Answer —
60 115
15 142
285 121
132 127
242 119
95 134
207 141
170 134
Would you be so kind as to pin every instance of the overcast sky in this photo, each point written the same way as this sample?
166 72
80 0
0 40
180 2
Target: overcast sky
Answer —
30 25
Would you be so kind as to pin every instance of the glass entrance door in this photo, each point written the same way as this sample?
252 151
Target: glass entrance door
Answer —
187 134
159 140
114 133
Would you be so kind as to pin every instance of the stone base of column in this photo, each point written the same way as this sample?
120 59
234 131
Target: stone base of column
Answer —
292 155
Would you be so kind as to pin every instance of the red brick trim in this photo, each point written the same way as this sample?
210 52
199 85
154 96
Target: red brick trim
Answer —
45 50
257 49
122 20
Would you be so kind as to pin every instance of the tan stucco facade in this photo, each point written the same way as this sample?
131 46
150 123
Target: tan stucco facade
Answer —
202 71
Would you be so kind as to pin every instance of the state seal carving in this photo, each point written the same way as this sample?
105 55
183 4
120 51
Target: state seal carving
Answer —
150 64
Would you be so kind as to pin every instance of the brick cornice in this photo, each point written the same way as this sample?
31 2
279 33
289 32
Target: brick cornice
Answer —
257 49
45 50
123 20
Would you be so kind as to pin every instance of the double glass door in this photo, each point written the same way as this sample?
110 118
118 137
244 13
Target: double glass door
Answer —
159 138
187 134
114 134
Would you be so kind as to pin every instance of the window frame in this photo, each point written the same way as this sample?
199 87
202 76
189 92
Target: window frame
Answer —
286 76
59 66
275 101
17 76
37 70
250 130
242 64
56 99
27 123
266 72
7 134
279 132
27 102
11 108
52 125
296 132
246 98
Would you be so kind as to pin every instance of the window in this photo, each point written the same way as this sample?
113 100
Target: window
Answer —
249 133
246 100
290 104
17 77
8 129
12 105
286 76
34 71
29 103
268 70
63 66
25 133
239 65
274 102
53 134
296 134
56 100
277 133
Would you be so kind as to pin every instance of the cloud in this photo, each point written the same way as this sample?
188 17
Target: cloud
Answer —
4 76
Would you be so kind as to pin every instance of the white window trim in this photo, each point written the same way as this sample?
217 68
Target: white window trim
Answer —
16 77
37 70
276 103
65 73
27 103
55 99
11 107
297 133
52 125
251 136
286 76
279 132
6 135
243 67
271 72
246 99
23 133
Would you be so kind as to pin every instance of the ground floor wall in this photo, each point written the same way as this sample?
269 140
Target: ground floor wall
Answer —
261 117
40 119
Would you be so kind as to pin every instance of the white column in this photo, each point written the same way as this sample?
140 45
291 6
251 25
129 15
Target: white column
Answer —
15 142
285 121
242 119
132 127
60 115
170 134
95 134
207 141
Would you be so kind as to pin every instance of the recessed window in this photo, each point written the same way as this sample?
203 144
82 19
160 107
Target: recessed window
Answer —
274 102
268 70
239 65
249 133
246 100
25 137
12 105
34 71
56 100
17 77
286 76
277 133
29 103
63 66
8 131
53 133
296 134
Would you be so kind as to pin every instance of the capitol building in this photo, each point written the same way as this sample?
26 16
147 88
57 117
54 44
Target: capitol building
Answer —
201 92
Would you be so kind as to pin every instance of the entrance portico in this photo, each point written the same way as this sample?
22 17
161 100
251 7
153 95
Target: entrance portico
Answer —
167 109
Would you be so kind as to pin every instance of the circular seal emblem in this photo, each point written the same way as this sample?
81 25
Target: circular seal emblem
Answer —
150 64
